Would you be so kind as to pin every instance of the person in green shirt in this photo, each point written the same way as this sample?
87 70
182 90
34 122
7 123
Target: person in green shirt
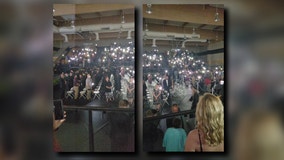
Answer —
175 137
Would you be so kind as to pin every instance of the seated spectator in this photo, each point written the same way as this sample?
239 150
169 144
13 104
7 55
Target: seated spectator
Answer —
174 139
209 133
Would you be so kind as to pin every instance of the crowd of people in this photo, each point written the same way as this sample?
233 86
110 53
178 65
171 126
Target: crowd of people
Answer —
112 82
165 85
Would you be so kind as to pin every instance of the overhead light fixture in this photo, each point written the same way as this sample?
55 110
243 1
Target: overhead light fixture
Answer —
146 27
154 43
129 35
149 9
217 19
193 30
216 37
72 23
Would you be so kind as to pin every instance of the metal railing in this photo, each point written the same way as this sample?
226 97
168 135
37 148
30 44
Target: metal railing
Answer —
90 116
158 117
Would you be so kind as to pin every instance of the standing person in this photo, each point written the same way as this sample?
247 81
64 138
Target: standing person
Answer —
169 121
70 80
209 133
166 83
175 137
89 86
76 84
82 81
130 91
149 81
62 85
117 81
207 82
157 97
108 87
194 98
66 77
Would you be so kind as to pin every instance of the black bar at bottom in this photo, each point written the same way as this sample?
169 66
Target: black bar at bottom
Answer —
91 135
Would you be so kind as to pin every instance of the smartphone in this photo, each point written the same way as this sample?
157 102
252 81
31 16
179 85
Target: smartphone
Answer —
58 109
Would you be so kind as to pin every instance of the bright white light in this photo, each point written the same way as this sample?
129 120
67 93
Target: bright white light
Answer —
199 77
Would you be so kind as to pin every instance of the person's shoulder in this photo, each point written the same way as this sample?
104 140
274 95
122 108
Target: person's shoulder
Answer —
182 130
170 129
193 133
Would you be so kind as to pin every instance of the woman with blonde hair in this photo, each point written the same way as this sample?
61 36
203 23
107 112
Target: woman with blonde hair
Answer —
209 133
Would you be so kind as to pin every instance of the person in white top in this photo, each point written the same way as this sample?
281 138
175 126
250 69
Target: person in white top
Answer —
89 86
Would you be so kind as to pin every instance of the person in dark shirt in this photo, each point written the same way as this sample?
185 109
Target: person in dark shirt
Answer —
174 109
166 83
70 80
108 87
194 99
62 85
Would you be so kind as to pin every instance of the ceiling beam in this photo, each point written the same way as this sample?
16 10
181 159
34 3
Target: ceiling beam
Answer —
71 9
185 13
204 33
101 20
169 43
217 27
78 36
